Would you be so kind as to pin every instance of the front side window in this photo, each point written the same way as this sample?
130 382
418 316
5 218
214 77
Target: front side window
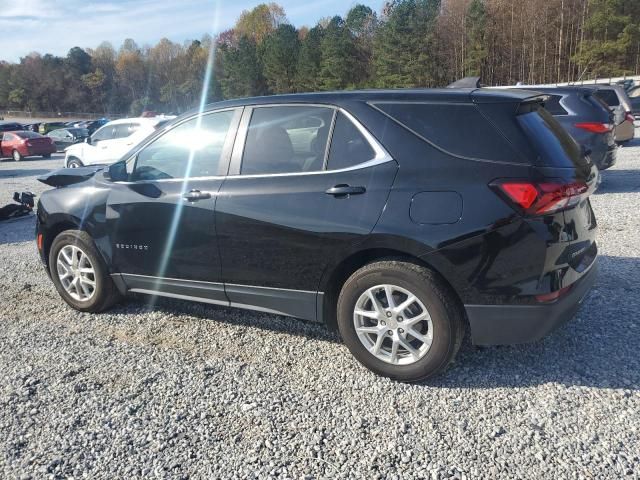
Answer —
288 139
192 149
349 147
105 133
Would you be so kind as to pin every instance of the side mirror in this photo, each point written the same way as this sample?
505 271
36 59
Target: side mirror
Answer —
117 172
87 140
585 151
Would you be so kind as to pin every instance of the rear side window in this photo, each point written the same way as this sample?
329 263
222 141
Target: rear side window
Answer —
554 145
290 139
459 129
348 146
554 107
123 130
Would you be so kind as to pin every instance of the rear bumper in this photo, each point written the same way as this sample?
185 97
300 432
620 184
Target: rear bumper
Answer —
511 324
44 150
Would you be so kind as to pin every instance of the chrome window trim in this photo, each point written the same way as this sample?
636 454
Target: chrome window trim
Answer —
381 155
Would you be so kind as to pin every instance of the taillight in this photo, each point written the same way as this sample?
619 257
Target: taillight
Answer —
539 198
553 296
595 127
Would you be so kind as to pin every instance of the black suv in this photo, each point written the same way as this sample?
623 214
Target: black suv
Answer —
397 217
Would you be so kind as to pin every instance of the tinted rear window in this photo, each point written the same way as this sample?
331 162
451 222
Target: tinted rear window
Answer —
554 145
446 125
610 97
553 105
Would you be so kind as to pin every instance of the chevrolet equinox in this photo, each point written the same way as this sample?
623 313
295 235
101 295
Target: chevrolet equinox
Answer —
401 218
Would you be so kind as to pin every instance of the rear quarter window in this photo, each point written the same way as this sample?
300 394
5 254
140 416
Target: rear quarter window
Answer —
459 129
554 107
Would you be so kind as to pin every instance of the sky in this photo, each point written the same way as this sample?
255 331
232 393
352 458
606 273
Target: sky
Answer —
55 26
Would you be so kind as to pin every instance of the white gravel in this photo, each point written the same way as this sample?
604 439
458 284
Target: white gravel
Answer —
196 391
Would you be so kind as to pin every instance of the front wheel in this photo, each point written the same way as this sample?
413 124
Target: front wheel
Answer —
79 273
74 163
46 156
17 156
400 320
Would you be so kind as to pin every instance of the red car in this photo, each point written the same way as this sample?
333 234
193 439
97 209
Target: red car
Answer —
20 144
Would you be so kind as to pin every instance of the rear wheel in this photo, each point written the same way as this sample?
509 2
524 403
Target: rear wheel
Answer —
17 156
79 273
74 163
47 156
400 320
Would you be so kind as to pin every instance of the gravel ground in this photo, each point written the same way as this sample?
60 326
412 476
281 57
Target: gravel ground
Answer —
189 390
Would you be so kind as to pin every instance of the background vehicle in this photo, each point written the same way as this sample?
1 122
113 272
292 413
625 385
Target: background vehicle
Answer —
110 142
618 101
363 210
46 127
65 137
92 125
33 127
10 126
586 118
21 144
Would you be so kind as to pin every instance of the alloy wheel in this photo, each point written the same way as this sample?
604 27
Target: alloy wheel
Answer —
76 273
393 324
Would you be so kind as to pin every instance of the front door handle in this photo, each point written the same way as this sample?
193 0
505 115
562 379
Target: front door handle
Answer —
195 195
345 190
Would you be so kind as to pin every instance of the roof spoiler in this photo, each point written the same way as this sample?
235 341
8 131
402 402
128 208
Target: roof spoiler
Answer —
466 82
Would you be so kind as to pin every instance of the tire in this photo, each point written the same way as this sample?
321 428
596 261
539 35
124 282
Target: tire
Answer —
104 293
47 156
443 324
74 163
17 156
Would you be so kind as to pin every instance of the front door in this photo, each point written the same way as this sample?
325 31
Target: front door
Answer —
295 203
161 223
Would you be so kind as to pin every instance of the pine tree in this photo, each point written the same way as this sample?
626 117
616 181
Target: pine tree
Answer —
242 71
404 51
337 67
280 59
309 59
476 23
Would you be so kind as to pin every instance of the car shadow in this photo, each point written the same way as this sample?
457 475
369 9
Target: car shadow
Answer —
23 172
635 142
18 230
598 348
619 181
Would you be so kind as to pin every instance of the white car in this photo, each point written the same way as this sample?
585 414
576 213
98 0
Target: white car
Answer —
111 141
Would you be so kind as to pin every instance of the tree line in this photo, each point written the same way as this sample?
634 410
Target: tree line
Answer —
410 43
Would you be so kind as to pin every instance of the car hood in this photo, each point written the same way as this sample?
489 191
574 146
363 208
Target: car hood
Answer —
69 176
76 147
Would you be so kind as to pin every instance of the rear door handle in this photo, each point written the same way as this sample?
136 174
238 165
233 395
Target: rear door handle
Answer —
345 190
195 195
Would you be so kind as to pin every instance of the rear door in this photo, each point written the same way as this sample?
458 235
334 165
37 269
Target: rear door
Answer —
305 183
